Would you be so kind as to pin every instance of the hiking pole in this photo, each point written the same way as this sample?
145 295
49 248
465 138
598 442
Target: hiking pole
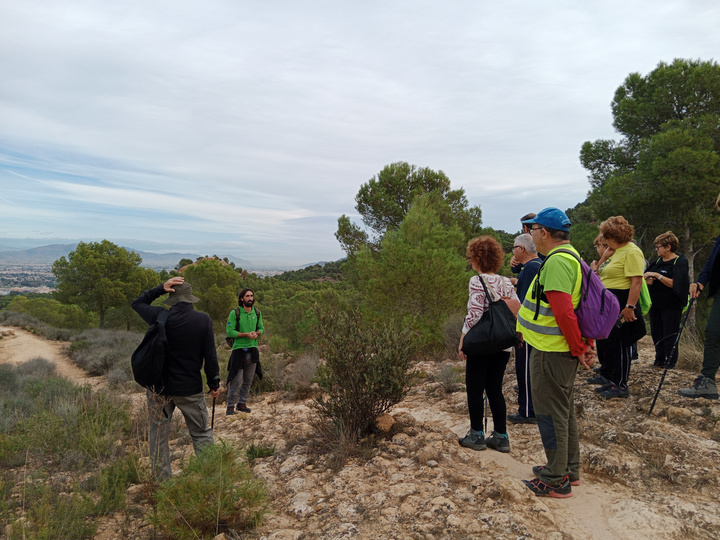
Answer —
672 353
212 422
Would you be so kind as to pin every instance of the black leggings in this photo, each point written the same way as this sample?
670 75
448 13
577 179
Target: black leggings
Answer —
484 373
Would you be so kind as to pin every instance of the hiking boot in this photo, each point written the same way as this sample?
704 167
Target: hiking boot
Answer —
474 440
537 468
518 418
603 387
242 407
498 442
703 386
615 392
541 489
597 380
230 411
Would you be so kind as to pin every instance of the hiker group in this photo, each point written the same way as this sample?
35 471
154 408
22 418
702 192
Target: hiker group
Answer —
559 313
569 314
187 347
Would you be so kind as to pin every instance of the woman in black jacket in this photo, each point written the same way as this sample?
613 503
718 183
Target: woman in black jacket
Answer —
668 283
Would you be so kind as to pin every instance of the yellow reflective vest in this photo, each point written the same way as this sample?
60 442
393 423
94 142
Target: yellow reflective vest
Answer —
543 333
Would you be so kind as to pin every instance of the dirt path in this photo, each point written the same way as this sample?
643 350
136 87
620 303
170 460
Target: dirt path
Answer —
18 346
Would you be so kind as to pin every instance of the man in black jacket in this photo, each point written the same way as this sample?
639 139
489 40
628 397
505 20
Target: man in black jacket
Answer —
190 341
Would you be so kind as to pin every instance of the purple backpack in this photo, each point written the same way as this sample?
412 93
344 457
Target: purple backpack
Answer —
598 310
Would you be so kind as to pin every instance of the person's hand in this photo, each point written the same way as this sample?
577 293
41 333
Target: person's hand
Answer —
513 280
628 314
695 289
587 358
513 261
172 282
215 393
253 335
461 354
594 266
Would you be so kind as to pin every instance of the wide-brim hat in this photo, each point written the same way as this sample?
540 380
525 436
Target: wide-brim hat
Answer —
183 293
552 218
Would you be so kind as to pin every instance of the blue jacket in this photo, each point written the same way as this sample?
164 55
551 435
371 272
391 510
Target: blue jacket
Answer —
711 271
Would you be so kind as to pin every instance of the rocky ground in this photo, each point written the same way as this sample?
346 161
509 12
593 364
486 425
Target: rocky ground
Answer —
642 477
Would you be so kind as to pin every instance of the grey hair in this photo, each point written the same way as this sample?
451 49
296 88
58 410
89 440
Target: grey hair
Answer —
525 240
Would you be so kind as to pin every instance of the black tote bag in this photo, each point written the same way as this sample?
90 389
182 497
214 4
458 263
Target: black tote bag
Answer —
494 332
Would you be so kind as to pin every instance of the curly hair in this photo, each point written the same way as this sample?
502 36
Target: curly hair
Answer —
486 253
667 239
599 241
618 229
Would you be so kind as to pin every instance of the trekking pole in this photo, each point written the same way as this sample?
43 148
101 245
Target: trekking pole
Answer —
672 353
212 422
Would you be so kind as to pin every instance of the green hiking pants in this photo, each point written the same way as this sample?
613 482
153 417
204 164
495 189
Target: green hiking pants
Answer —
160 411
552 375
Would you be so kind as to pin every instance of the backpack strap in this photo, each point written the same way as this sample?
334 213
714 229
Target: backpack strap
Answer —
538 290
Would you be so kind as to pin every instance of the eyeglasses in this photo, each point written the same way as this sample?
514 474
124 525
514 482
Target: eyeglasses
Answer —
658 247
515 247
535 229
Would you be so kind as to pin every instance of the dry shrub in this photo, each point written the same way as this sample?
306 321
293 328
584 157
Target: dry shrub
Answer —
690 355
300 375
452 330
450 378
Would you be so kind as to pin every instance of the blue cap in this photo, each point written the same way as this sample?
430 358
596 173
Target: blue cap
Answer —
552 218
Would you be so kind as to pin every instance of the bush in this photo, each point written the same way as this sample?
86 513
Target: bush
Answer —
452 330
99 352
450 378
301 374
214 493
53 514
113 482
366 370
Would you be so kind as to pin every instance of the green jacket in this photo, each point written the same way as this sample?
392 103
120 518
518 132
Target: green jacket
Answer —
249 322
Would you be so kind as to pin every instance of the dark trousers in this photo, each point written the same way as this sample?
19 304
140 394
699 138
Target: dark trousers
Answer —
664 326
614 358
711 356
484 373
522 370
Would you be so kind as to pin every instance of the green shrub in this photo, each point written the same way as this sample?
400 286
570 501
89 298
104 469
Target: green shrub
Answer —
214 493
366 370
52 514
113 482
253 452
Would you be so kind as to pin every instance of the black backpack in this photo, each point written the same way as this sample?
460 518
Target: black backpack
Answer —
148 359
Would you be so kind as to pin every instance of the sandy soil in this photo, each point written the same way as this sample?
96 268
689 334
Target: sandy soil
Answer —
600 509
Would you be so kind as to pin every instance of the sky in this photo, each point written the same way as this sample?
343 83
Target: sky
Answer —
246 129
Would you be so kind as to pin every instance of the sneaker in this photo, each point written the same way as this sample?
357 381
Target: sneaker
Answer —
518 418
537 468
473 440
230 411
541 489
615 392
598 380
703 386
242 407
498 442
603 387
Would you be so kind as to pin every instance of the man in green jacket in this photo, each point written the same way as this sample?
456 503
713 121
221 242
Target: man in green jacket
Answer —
245 325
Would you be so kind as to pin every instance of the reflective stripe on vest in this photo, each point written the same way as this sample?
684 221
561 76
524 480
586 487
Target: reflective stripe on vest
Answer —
543 333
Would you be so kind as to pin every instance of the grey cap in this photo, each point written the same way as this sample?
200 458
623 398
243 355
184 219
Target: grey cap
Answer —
183 293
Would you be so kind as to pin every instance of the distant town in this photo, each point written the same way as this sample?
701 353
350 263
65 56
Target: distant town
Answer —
38 278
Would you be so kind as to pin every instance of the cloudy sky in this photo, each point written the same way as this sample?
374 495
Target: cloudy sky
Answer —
246 128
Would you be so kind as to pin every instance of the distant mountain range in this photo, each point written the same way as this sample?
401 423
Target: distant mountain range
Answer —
49 254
